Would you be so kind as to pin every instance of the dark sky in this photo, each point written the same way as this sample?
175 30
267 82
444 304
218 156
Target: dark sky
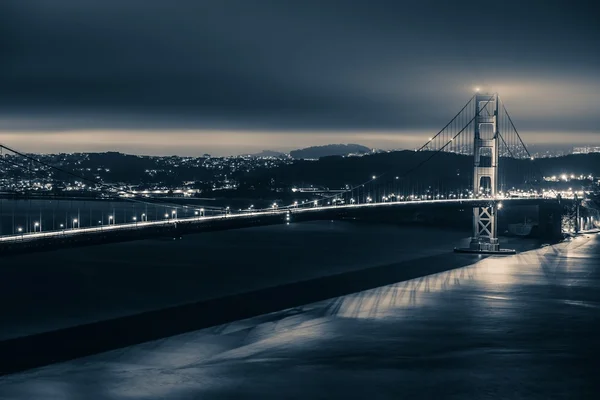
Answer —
229 76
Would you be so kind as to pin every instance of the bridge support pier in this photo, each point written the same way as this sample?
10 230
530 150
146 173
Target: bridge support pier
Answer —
485 229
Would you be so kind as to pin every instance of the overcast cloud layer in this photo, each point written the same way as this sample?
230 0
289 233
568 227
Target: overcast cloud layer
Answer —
263 68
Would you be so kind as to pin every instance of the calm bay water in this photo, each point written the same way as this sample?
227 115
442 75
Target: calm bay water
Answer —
70 286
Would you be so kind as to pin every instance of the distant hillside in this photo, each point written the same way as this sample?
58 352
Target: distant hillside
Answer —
454 170
269 153
329 150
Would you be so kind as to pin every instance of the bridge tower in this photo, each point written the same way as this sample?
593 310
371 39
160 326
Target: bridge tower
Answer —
485 172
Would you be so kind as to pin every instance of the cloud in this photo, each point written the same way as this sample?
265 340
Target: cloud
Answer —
71 65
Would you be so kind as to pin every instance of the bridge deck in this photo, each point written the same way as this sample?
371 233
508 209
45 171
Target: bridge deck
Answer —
108 230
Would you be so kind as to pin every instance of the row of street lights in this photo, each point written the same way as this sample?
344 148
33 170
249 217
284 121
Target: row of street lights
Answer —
37 227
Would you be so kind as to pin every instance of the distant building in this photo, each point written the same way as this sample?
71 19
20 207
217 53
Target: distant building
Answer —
586 149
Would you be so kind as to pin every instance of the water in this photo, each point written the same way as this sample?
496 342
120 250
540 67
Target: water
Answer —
523 326
67 287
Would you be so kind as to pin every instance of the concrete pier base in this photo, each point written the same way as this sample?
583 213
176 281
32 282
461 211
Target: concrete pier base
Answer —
484 246
504 252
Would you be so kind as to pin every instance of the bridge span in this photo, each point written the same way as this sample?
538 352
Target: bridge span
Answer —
482 128
174 228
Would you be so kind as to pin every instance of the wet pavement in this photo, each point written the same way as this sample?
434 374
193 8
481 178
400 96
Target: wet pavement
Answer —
523 326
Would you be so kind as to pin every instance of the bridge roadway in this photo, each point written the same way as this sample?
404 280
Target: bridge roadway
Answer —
248 216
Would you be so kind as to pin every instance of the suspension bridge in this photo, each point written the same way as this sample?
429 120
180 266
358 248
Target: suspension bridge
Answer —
500 172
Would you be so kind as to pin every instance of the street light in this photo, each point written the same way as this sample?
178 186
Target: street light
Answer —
144 217
35 226
110 220
75 221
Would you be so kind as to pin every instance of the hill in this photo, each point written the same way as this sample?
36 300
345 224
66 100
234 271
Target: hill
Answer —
316 152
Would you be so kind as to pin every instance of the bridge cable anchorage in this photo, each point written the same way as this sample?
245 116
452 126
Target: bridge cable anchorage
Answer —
438 134
105 185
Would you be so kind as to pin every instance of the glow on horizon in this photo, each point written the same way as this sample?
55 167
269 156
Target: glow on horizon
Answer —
233 142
